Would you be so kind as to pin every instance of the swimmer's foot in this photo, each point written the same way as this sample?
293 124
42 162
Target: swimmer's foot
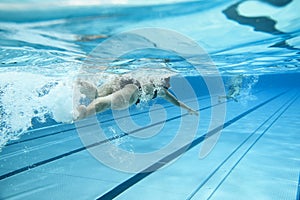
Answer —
86 38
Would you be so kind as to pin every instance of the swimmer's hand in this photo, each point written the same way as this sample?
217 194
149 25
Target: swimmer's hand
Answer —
193 112
88 89
82 112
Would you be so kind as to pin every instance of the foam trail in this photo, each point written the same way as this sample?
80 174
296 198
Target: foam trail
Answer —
27 96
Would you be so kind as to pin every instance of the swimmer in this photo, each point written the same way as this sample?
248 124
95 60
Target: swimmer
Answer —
87 38
122 93
234 88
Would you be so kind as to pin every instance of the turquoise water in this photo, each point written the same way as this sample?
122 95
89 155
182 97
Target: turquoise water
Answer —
235 148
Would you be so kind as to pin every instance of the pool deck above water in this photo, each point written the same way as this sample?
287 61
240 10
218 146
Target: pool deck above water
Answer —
257 156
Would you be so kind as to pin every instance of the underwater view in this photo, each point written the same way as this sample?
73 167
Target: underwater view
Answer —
128 99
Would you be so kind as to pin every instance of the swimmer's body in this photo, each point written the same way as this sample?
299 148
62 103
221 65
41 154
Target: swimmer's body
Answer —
234 88
123 93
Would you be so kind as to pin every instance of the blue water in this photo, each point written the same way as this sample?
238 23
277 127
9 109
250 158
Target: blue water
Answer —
47 46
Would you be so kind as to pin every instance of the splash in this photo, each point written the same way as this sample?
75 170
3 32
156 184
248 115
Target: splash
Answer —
247 89
27 99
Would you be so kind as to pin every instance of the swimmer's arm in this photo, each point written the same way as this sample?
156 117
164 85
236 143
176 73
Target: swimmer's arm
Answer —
164 93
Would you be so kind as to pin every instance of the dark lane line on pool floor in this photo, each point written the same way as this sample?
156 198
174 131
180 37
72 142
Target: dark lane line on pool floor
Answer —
116 191
283 109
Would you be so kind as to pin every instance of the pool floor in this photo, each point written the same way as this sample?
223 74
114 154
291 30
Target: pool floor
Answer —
257 156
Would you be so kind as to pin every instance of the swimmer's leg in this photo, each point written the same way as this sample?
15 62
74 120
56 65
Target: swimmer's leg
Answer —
97 106
117 101
125 97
